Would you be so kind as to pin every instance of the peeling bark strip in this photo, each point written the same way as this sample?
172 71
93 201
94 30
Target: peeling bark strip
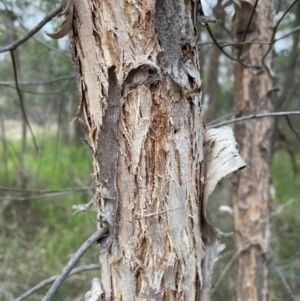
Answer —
138 76
223 159
66 26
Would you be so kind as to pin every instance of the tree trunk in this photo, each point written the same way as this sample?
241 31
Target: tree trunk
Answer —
252 187
140 86
139 83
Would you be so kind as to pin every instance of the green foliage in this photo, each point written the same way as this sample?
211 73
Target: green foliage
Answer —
285 239
39 236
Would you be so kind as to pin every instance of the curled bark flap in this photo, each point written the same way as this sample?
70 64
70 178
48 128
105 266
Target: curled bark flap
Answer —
223 157
66 26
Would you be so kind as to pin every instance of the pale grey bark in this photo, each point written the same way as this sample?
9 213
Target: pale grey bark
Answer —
139 84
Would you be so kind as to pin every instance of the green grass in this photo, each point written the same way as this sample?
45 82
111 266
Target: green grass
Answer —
285 239
39 236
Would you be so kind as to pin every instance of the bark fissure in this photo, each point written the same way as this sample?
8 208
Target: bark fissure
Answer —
107 151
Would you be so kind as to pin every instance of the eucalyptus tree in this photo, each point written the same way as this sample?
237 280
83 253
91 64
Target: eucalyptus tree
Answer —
139 84
253 23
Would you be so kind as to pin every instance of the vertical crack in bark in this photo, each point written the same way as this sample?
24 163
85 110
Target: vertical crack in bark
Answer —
107 152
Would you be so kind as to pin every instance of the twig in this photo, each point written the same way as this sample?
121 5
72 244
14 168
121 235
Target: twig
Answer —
232 43
33 31
247 245
37 83
43 195
272 40
221 118
252 117
45 191
224 43
44 43
229 264
226 53
271 43
64 90
296 29
218 45
291 128
243 43
21 99
247 29
72 262
4 146
51 279
284 282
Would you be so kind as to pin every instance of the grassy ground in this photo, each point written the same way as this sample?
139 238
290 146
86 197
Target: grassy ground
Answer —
285 239
39 236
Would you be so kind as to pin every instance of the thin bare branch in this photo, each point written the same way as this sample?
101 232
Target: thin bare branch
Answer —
243 43
247 29
21 99
37 83
262 115
221 118
221 44
41 195
246 246
72 262
4 148
272 40
32 32
284 282
45 282
44 43
226 53
52 48
44 93
41 191
294 30
291 128
224 43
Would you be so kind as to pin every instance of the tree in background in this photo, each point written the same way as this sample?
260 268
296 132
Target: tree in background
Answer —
253 22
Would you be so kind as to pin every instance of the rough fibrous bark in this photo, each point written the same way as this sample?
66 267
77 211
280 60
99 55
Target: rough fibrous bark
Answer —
252 194
140 85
